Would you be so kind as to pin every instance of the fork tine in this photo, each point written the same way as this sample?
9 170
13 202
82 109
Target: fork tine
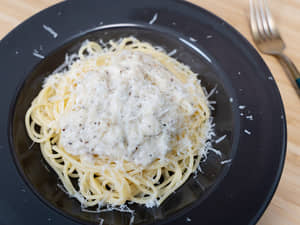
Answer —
252 20
253 23
258 18
269 20
264 18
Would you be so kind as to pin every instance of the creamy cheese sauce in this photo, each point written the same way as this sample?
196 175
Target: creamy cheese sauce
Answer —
130 109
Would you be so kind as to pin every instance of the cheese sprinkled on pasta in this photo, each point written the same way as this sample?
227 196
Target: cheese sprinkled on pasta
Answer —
126 121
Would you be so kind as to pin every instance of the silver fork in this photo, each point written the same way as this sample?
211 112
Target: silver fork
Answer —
267 37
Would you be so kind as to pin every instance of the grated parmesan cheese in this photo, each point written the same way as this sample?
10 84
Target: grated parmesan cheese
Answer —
154 18
247 132
217 152
110 208
212 91
173 52
37 54
193 39
133 117
250 117
50 30
225 161
101 221
220 139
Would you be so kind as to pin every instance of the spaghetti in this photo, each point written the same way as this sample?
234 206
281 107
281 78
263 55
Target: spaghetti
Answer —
109 148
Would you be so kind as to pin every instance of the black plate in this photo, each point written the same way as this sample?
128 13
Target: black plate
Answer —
234 193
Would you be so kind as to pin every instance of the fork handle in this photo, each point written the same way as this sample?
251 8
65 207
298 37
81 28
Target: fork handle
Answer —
290 68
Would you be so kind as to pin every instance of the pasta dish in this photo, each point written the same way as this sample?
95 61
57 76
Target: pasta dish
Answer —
122 122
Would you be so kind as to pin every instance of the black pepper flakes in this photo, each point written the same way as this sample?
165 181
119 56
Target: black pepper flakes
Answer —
70 143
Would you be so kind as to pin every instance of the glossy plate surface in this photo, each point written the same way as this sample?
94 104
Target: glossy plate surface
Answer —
233 193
